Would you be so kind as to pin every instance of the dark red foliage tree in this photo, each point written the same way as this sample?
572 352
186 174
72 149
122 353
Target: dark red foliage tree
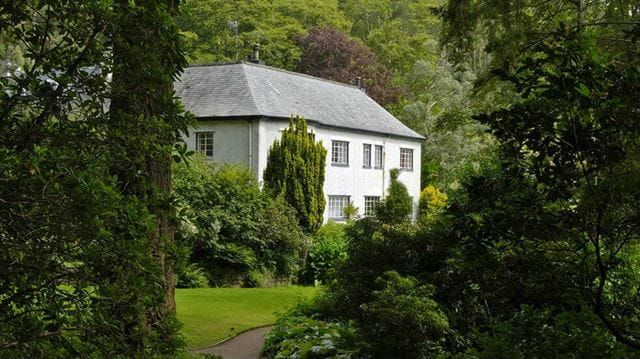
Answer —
331 54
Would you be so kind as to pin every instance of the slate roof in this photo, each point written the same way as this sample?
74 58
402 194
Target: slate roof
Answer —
247 89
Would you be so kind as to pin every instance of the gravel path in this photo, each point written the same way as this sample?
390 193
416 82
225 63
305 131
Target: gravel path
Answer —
244 346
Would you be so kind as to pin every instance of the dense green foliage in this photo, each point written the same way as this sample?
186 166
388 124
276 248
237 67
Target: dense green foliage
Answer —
572 143
273 24
328 250
535 256
233 231
295 335
191 275
506 30
295 170
83 273
402 320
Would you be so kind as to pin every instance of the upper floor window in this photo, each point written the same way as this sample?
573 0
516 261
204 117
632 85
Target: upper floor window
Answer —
340 153
204 143
370 204
378 162
336 206
406 158
366 155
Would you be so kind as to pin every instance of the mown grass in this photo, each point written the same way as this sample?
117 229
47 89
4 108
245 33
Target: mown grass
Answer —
210 315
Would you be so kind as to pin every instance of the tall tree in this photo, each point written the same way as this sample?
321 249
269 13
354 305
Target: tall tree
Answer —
399 32
572 144
331 54
82 272
295 169
146 121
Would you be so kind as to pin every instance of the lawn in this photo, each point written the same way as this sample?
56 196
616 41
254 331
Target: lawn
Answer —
210 315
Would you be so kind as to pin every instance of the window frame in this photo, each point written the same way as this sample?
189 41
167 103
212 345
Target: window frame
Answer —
336 155
345 199
208 142
366 157
406 154
377 165
370 204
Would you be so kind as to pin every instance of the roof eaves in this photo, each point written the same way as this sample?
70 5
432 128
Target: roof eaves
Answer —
416 137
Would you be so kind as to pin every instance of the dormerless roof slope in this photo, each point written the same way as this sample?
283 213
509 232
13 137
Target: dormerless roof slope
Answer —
247 89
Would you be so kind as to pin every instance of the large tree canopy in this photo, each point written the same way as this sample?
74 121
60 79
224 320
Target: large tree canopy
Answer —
575 139
84 210
331 54
507 29
272 24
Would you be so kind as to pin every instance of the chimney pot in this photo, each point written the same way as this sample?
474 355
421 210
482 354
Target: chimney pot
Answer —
359 83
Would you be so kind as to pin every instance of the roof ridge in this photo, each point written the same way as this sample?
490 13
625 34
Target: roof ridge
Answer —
267 67
272 68
221 63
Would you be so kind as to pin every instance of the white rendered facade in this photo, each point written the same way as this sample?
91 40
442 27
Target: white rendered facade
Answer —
246 142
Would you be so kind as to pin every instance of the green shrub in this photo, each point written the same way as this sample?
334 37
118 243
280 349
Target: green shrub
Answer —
254 279
372 250
396 207
403 321
285 243
431 203
350 211
328 250
541 333
191 276
231 229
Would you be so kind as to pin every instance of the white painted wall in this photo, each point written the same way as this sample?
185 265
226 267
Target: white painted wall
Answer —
231 141
231 145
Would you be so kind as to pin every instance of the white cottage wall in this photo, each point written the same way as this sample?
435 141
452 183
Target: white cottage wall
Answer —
353 180
235 142
246 142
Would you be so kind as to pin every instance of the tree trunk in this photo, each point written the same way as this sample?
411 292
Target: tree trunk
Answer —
146 56
580 4
160 179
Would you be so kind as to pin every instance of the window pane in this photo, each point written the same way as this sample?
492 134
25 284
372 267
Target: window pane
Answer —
366 155
378 156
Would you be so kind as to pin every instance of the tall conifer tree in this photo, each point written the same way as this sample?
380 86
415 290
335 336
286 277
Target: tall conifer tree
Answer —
295 170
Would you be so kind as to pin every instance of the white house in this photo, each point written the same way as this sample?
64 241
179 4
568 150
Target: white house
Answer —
241 109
